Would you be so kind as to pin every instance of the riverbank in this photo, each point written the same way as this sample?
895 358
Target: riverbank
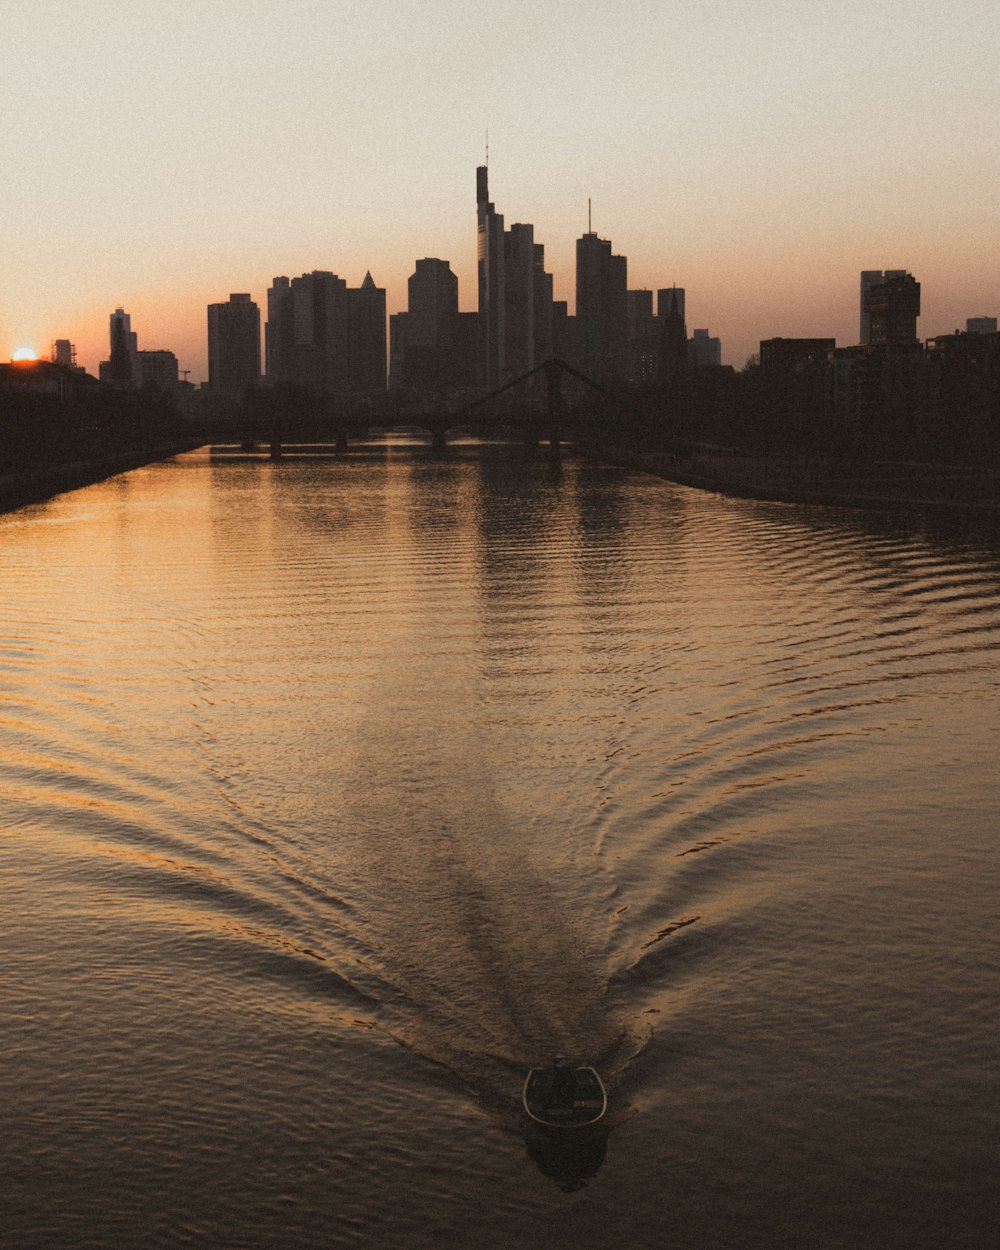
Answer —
800 479
19 489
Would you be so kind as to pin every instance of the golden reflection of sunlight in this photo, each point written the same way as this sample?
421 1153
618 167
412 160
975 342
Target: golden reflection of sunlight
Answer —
24 353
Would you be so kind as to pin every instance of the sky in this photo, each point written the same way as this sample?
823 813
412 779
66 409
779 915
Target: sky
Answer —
759 154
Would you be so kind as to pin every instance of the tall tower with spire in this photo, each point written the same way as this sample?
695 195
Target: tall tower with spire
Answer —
492 288
601 308
515 294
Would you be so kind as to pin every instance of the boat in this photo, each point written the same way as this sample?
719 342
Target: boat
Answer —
564 1097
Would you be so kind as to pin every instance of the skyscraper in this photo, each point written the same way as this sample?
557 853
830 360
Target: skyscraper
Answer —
601 309
279 332
527 301
673 345
122 366
515 293
669 296
234 345
490 257
565 345
893 306
365 371
870 278
643 337
326 336
432 301
433 347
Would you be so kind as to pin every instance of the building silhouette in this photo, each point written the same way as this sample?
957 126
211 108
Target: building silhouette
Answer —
515 293
366 340
961 378
432 302
893 306
659 348
527 301
704 351
234 345
158 370
981 325
490 272
420 336
673 338
673 335
432 346
326 336
64 353
122 367
667 297
279 332
870 278
601 309
644 332
130 369
565 340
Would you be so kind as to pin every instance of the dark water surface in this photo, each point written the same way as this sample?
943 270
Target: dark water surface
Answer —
335 795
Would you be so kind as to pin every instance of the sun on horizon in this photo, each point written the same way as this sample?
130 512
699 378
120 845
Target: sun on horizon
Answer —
25 353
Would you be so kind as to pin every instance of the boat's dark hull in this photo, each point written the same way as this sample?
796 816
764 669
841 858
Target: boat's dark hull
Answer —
546 1102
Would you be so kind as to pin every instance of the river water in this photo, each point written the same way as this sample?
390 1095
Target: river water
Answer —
337 793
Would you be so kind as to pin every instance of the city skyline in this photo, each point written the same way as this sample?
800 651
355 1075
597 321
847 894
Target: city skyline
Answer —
178 156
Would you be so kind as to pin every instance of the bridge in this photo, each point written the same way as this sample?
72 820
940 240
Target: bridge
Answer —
281 417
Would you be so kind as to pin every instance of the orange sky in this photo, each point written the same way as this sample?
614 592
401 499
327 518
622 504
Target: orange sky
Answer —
760 155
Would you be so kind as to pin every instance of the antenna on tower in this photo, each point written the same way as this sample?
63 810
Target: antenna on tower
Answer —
589 228
487 147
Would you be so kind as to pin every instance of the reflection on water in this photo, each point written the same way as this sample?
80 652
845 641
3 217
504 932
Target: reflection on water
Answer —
338 793
570 1158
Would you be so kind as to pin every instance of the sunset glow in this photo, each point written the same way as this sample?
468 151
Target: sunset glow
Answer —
500 564
726 148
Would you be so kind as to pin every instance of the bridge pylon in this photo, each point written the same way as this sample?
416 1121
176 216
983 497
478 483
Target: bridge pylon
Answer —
553 379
